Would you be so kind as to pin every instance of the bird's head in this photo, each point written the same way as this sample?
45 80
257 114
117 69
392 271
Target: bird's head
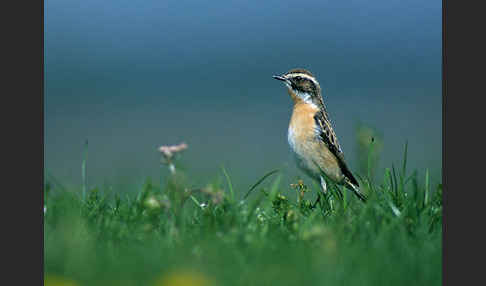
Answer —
301 84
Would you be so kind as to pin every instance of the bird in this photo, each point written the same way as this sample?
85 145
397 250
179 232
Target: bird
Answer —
311 136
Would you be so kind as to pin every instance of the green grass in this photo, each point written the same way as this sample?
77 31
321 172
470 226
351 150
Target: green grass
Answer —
273 237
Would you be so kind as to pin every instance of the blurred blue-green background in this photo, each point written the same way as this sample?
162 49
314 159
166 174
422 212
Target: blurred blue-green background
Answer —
130 76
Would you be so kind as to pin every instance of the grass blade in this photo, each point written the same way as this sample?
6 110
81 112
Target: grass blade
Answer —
230 185
404 167
259 182
395 210
273 193
426 199
84 170
388 178
395 181
196 201
370 151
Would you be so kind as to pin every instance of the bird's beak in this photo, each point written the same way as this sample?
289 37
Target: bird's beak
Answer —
279 77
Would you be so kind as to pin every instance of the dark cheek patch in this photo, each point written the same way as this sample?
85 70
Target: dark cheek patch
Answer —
308 86
304 85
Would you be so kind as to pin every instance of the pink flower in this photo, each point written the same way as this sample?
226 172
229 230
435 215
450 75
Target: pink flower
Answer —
170 150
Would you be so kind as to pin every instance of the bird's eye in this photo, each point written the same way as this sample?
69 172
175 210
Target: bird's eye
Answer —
298 78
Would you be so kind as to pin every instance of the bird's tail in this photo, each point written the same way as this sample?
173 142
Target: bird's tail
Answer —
356 191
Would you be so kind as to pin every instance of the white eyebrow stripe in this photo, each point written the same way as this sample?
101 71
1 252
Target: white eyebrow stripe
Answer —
305 76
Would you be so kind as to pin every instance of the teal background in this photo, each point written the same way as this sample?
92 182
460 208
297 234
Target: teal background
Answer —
130 76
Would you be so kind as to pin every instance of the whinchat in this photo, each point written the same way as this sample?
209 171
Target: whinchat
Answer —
311 135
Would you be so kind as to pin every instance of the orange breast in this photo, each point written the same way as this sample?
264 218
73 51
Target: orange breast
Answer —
302 123
314 155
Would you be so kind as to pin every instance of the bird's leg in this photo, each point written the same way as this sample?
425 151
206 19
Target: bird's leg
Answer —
323 190
323 185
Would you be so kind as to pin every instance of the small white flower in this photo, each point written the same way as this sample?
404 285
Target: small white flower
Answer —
152 203
395 210
260 218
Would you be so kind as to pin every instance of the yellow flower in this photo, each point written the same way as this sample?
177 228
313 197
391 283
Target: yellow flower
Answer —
183 278
52 280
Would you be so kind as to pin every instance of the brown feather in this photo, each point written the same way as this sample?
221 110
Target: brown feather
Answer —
328 136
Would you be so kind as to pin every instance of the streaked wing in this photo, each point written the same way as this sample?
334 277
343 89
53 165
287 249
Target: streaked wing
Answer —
327 136
326 133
